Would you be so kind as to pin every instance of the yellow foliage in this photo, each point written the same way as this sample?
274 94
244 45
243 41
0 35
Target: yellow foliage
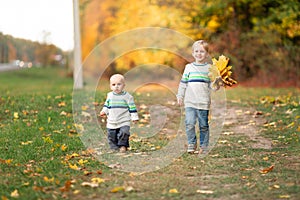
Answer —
221 69
213 23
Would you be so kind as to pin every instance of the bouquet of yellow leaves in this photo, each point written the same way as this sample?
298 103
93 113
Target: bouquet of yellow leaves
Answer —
220 73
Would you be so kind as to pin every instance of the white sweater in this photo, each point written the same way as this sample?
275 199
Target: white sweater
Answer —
195 86
120 109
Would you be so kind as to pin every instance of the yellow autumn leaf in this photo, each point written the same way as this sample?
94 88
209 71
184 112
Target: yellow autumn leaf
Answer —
79 127
205 191
291 125
26 184
82 162
63 147
48 140
49 180
73 155
85 114
117 189
76 192
86 173
4 198
97 180
26 143
93 185
84 108
62 104
173 191
15 194
16 115
75 167
284 196
221 69
63 113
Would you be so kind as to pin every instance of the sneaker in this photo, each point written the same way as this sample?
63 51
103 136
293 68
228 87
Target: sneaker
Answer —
191 148
203 151
123 149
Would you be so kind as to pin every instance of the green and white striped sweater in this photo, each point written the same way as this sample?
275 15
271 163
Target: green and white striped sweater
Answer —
195 86
120 110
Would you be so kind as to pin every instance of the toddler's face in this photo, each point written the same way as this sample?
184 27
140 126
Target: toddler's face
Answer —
199 53
117 85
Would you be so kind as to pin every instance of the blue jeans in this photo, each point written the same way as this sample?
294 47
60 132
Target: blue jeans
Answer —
191 114
118 137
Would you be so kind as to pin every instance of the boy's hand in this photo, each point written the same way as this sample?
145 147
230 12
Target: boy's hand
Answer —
102 114
135 121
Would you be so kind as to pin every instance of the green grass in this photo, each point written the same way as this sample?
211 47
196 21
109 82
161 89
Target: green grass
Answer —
42 156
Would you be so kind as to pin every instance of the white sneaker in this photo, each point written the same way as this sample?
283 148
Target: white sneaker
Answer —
191 148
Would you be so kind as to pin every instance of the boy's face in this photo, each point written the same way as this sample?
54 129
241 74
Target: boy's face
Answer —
199 53
117 85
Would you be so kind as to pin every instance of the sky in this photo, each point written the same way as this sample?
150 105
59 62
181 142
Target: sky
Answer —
48 21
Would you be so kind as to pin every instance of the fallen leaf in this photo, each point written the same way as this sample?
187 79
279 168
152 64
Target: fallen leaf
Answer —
26 143
284 196
63 147
85 114
4 198
291 125
173 191
49 180
16 115
82 162
97 180
88 184
267 170
75 167
228 133
62 104
15 194
266 158
205 191
86 173
117 189
63 113
66 187
129 189
76 192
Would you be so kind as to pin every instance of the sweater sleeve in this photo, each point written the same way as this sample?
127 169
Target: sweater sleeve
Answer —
132 108
183 83
106 105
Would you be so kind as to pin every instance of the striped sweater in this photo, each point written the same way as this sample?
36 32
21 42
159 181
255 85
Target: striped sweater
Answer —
120 109
195 87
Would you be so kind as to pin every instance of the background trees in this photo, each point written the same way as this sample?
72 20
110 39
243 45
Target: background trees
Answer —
260 37
28 51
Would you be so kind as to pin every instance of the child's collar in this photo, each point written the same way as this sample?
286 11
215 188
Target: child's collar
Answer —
121 93
200 64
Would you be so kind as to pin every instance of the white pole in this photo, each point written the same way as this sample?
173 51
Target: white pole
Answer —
77 72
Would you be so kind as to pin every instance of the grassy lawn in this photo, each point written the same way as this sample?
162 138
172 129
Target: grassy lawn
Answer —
42 156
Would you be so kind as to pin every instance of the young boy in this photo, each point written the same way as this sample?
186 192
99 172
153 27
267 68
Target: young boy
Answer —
194 92
120 109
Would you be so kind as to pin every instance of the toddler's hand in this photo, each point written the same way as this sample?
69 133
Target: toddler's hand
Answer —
179 101
135 121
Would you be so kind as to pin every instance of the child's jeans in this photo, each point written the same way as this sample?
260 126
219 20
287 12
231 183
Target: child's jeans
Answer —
118 137
191 114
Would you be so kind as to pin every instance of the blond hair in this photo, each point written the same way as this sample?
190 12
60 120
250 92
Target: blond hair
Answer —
118 76
201 43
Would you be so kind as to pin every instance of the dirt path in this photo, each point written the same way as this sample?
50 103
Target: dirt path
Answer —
247 122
